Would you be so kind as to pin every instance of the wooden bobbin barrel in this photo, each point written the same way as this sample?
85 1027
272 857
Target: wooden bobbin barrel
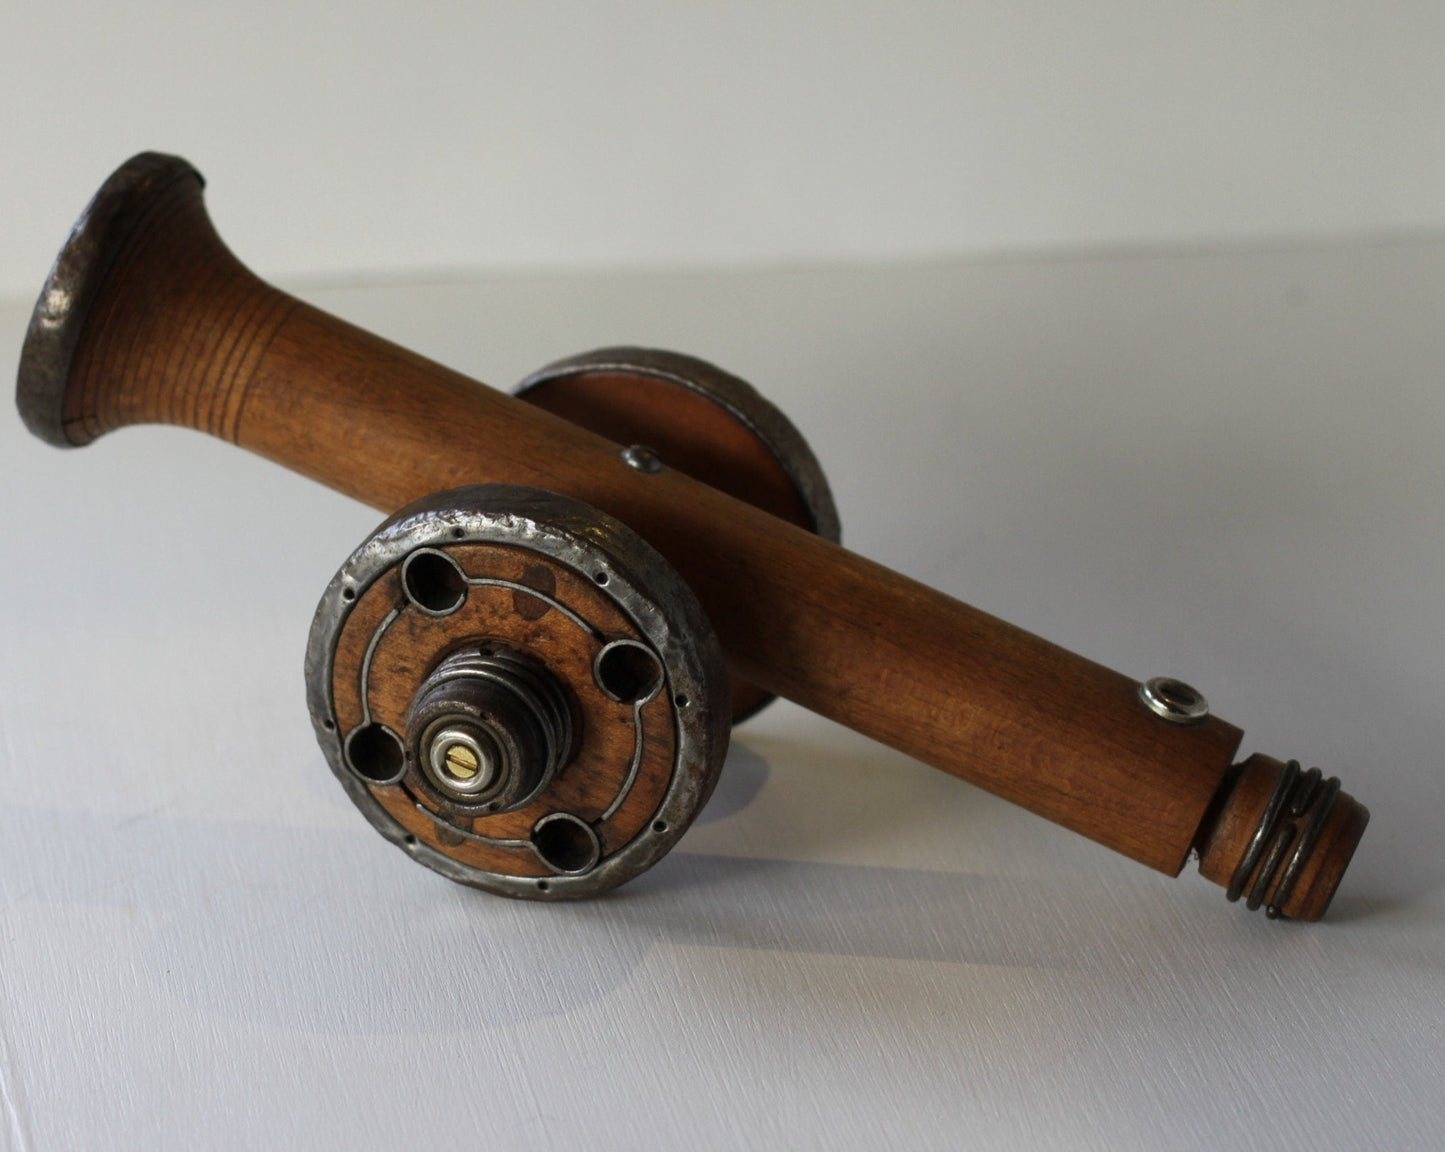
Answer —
147 317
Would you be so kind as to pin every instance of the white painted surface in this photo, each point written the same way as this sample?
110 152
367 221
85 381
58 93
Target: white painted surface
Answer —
376 135
1222 467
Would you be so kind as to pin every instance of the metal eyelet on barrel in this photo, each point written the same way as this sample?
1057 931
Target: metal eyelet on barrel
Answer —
1173 700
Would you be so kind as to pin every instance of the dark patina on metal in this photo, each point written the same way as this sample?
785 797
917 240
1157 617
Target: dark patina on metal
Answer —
639 581
63 308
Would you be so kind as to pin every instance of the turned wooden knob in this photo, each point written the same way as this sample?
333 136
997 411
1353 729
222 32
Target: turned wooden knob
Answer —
147 317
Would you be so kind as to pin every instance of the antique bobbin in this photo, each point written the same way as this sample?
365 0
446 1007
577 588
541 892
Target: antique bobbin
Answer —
147 317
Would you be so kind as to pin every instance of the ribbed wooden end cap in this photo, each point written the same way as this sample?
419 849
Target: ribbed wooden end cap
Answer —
1282 838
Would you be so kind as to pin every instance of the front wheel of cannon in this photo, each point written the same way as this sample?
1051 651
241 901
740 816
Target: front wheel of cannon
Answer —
519 692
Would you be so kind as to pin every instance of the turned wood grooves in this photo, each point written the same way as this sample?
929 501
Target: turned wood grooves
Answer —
184 349
181 333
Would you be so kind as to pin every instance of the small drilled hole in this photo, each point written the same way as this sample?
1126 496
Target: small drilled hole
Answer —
409 840
600 577
433 582
565 843
458 533
628 672
659 826
348 593
542 885
681 701
375 753
329 724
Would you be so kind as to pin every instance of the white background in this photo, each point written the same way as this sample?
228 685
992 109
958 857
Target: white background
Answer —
375 136
1217 458
1224 467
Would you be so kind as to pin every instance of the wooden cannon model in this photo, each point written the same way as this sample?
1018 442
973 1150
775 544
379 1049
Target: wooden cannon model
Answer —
526 678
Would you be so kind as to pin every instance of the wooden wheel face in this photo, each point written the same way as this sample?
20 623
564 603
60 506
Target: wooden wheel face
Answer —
605 648
702 421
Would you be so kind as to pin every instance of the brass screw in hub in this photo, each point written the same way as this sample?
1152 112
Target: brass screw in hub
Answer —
489 729
462 755
461 762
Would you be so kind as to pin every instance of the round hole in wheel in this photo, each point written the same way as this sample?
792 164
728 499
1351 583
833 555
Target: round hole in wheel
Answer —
433 582
375 753
566 844
628 671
